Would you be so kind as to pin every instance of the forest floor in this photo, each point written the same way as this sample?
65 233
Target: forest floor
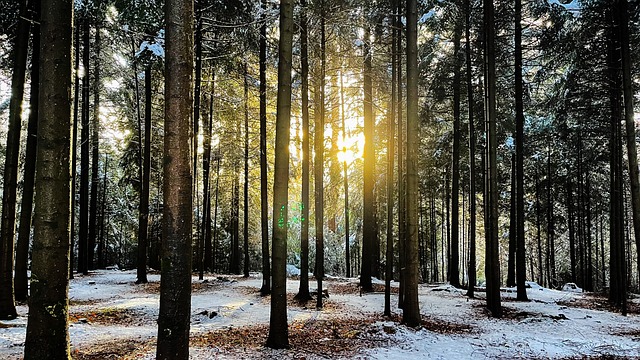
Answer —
112 318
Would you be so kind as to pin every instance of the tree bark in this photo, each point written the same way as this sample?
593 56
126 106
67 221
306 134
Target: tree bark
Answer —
95 143
401 161
175 288
206 179
83 240
511 261
411 308
368 217
390 181
245 228
48 323
74 149
492 256
472 155
454 270
318 163
278 330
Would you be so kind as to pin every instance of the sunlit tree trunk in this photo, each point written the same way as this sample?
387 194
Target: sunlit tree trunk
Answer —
74 149
318 163
175 287
143 217
245 228
278 329
401 159
206 179
48 323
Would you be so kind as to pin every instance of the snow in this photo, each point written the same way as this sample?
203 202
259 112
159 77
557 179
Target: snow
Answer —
569 5
549 327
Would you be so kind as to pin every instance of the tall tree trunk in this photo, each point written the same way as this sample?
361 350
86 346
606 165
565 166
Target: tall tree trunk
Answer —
103 207
347 241
318 164
617 258
632 153
214 254
83 240
401 160
511 264
278 330
26 210
175 287
234 264
245 228
492 256
588 286
390 183
551 258
206 176
143 211
74 149
472 154
303 292
454 267
7 229
368 217
521 266
539 233
264 205
48 322
197 101
95 143
411 308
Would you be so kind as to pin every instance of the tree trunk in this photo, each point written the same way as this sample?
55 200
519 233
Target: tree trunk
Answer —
103 206
26 210
74 149
7 229
390 162
570 222
539 233
472 155
95 157
521 266
143 211
175 288
197 101
551 259
206 187
264 205
411 308
214 262
83 241
632 153
454 270
402 232
347 241
318 163
511 264
368 217
48 323
245 228
492 256
278 330
303 292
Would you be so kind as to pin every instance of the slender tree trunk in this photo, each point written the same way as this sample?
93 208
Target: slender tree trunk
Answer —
521 266
206 187
318 164
492 257
175 287
511 265
7 228
538 233
215 214
197 101
589 283
278 330
48 322
347 241
551 259
245 228
303 292
234 264
632 153
390 181
368 217
103 206
472 155
264 205
26 210
95 157
83 241
74 149
143 217
411 308
402 233
454 269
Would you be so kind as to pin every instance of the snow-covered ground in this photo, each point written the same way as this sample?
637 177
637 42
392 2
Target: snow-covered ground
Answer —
109 310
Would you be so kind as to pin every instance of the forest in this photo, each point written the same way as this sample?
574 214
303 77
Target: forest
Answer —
319 179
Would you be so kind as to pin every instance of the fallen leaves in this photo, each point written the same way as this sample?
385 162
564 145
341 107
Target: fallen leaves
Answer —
109 316
352 288
125 349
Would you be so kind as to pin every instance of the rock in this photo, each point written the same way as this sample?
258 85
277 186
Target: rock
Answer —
213 314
